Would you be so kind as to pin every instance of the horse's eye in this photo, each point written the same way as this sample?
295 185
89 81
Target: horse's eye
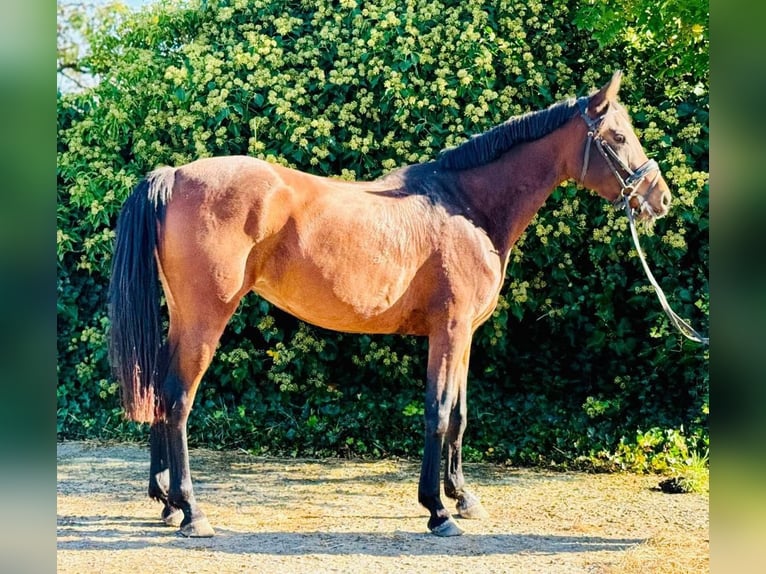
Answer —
619 138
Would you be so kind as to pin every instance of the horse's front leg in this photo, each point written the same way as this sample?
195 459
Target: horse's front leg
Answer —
159 473
468 505
446 351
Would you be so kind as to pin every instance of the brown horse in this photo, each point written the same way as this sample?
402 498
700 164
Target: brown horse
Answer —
421 251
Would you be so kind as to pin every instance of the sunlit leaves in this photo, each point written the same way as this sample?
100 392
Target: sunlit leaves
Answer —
354 89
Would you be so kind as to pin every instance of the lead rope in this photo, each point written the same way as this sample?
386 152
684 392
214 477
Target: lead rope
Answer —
684 328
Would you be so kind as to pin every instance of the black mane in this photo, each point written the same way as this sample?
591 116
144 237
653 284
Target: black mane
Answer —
484 148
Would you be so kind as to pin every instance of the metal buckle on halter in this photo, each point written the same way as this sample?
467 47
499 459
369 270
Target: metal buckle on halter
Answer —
620 201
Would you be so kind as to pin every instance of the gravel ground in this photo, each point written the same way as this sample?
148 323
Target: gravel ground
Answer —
293 516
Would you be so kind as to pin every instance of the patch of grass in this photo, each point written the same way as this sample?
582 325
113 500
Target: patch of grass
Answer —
689 475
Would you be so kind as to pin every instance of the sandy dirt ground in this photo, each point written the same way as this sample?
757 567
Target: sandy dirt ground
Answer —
294 516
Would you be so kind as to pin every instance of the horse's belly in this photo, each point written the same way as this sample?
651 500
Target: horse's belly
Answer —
349 302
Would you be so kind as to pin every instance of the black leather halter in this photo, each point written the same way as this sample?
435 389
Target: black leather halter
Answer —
634 178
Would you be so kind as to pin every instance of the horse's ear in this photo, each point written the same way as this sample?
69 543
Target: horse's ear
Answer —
600 100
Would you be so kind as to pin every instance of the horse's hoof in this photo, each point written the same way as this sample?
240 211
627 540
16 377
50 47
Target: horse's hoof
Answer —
474 512
447 528
199 528
172 516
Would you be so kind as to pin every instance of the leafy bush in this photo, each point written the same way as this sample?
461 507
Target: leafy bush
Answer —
577 359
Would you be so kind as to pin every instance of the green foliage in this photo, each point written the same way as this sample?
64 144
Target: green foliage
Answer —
578 357
670 35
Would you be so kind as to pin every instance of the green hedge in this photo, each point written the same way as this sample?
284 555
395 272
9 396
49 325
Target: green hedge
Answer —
578 365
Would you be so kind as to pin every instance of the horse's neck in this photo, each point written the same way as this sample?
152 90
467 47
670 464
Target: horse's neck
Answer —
511 190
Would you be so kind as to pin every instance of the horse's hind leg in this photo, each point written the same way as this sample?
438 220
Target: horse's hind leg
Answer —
203 257
192 340
159 474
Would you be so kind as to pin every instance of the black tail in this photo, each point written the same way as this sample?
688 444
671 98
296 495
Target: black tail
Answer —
135 345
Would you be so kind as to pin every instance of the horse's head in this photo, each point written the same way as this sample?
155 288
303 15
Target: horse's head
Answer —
614 162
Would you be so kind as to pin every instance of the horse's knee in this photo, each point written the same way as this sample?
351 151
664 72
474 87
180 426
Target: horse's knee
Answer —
438 422
437 428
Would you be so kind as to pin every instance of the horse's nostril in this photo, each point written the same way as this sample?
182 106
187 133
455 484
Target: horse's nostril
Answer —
665 199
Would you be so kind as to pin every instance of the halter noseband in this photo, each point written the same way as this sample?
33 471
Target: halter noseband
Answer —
634 178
